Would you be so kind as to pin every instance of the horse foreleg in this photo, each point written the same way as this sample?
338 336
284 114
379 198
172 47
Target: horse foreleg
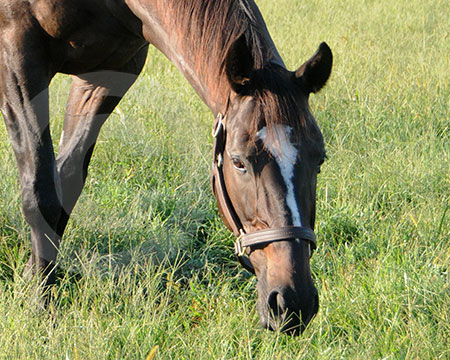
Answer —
24 78
92 99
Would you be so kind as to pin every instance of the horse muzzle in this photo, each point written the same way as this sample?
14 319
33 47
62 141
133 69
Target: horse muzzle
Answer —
285 311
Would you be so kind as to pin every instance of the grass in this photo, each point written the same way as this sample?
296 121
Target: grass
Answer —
147 264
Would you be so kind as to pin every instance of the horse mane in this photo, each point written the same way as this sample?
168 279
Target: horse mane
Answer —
210 28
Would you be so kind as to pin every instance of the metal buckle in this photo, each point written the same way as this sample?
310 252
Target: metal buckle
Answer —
219 126
219 160
238 248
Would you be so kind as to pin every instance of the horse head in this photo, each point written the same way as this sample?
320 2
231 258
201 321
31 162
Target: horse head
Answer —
267 153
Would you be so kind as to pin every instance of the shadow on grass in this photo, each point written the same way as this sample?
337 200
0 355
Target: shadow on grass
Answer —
205 256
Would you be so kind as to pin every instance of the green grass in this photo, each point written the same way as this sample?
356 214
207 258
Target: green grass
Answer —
147 262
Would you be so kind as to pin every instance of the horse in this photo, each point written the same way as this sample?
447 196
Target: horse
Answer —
267 147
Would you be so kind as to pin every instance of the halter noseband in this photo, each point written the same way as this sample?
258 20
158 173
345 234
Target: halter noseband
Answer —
260 237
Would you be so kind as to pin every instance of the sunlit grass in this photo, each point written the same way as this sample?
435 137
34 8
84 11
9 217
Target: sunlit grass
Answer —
147 262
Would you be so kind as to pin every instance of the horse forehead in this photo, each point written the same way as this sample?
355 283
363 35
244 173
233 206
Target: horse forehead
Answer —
279 143
285 154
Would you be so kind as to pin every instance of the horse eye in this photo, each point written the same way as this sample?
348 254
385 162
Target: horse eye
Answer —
239 165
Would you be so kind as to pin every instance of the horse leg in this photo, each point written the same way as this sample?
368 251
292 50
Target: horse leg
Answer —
92 98
24 79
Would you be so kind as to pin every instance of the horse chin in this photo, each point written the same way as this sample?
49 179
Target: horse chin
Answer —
289 324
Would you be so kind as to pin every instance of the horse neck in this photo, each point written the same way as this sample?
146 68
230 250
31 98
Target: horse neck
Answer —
178 44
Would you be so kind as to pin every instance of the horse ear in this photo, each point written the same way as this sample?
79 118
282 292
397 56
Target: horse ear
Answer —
314 73
239 65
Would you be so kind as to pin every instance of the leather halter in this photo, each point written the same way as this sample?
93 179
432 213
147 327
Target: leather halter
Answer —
229 215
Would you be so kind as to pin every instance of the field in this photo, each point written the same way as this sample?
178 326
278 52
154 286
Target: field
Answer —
147 265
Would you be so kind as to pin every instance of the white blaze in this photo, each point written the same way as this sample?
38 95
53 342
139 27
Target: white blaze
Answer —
285 154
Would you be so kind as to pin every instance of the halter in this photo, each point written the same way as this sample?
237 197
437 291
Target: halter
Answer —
244 240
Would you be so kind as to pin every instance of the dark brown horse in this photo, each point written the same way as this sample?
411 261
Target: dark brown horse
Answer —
267 150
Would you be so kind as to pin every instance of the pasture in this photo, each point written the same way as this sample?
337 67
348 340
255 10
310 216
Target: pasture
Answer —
146 263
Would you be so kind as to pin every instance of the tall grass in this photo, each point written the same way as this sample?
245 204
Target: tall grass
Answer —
147 264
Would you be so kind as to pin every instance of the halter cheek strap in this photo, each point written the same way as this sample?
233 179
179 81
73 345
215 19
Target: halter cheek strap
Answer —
230 217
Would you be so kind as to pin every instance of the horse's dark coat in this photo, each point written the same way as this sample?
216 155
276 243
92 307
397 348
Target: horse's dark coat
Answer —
224 50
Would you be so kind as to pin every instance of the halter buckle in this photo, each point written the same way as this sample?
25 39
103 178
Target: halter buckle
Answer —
238 248
219 125
219 160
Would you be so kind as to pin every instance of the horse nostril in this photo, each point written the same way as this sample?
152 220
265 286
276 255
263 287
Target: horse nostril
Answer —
276 303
